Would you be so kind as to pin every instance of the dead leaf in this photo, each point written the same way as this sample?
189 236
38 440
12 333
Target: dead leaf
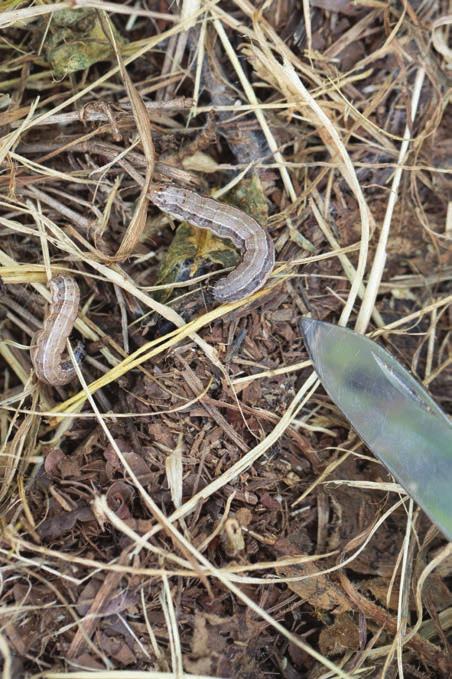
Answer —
319 590
76 41
116 604
119 497
341 636
55 526
136 462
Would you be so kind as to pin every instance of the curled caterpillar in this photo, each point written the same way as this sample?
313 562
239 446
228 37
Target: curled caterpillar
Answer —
49 343
224 221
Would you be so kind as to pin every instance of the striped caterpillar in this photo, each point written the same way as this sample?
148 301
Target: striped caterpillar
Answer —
49 343
224 221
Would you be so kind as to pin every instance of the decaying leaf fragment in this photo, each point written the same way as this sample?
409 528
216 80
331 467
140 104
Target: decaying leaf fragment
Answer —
232 537
76 40
341 636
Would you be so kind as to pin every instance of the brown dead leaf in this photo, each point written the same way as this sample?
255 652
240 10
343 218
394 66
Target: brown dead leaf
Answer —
89 662
56 526
341 636
136 462
60 466
52 462
119 497
116 604
116 648
319 590
209 642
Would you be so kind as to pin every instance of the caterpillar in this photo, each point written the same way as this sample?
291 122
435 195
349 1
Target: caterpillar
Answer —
49 343
224 221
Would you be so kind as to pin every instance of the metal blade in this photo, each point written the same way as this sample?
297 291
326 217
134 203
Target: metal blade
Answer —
391 411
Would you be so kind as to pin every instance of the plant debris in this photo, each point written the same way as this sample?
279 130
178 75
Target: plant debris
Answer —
190 505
